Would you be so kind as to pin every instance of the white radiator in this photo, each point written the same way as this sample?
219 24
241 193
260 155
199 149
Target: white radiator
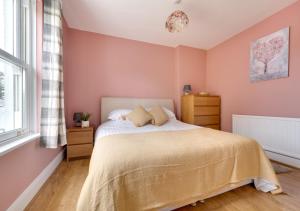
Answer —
279 137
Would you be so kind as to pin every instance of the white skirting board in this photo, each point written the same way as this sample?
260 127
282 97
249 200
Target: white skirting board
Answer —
23 200
284 159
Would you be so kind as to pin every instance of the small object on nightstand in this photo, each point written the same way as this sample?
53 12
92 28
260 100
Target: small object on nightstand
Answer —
85 120
187 89
80 142
204 94
77 119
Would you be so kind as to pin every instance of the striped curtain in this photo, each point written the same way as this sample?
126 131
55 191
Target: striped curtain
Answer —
53 128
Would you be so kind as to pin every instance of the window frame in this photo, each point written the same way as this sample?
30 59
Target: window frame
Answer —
27 48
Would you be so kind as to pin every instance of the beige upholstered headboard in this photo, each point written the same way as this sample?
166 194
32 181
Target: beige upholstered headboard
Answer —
109 104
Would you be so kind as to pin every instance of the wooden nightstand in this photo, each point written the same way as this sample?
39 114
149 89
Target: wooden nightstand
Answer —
80 142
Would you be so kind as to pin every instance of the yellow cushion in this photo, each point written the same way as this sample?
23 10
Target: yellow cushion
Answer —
139 116
159 116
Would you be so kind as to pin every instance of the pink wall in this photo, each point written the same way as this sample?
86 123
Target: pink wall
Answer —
190 68
97 65
228 72
21 166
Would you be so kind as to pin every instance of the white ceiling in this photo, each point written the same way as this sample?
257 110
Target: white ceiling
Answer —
211 21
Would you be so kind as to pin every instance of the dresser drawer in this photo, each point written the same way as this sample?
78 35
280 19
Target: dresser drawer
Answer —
79 150
80 137
206 120
206 111
216 127
207 101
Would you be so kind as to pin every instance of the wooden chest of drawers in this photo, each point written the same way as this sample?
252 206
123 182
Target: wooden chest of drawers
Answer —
80 142
202 111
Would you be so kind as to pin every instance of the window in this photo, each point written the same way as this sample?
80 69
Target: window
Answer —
17 63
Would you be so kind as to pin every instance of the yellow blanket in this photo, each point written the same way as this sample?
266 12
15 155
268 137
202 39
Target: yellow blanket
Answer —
158 170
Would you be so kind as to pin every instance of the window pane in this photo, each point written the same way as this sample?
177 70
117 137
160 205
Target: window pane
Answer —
7 26
25 32
11 97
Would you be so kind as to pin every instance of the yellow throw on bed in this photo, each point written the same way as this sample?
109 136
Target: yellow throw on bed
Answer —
161 170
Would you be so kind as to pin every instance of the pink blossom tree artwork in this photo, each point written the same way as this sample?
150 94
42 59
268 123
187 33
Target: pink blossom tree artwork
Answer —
266 51
269 56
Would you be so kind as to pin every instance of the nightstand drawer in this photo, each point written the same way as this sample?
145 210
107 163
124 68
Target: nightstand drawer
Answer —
216 127
80 150
206 120
207 101
80 137
206 110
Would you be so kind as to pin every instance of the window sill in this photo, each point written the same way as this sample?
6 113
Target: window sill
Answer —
5 148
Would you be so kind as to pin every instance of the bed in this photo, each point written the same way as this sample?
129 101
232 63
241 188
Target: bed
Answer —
167 167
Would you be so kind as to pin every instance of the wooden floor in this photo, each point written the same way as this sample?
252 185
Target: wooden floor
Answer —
62 189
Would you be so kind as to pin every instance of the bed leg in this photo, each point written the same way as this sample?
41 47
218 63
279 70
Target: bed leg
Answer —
194 204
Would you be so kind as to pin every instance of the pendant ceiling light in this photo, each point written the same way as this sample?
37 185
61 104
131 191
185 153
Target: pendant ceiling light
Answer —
177 21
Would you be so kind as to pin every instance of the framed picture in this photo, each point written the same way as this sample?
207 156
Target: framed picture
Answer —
269 56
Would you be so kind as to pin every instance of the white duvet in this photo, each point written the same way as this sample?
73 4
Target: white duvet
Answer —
126 127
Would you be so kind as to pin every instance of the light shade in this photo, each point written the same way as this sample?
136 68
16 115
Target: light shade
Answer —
187 88
177 21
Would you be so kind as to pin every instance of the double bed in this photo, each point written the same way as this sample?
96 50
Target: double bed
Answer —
167 167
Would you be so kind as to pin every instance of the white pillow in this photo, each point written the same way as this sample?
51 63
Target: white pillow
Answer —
118 114
170 113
